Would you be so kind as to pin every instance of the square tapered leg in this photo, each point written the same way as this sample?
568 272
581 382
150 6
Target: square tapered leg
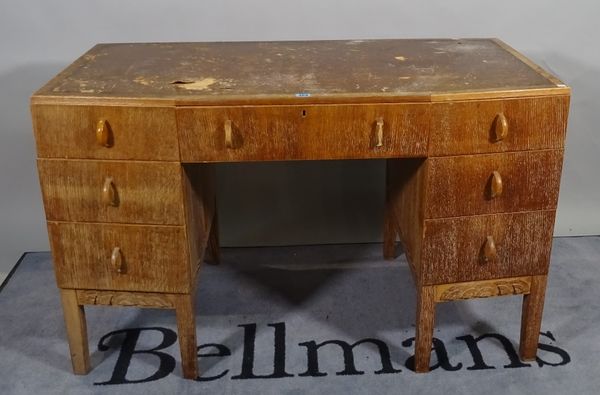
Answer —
74 315
531 318
186 330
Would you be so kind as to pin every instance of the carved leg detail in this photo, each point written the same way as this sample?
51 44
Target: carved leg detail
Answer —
531 318
186 328
424 330
76 331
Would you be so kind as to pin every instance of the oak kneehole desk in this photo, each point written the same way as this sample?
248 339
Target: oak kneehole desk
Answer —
473 133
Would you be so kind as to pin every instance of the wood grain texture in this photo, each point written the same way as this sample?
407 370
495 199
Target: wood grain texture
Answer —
531 318
148 133
295 72
302 132
155 257
462 185
76 326
186 332
144 192
131 299
466 127
452 248
200 205
482 289
473 133
405 198
424 327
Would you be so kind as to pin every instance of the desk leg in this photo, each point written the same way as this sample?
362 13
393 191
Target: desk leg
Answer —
76 331
213 237
531 318
186 331
390 232
424 330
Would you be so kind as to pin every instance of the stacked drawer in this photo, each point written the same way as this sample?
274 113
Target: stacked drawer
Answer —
113 194
311 132
492 182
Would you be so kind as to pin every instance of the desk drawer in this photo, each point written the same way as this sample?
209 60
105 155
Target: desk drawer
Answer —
302 132
150 258
128 133
493 183
473 127
516 244
104 191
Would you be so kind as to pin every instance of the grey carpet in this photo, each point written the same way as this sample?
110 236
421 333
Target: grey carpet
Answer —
294 299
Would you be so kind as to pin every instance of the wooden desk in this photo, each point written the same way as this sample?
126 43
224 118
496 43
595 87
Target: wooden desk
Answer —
472 131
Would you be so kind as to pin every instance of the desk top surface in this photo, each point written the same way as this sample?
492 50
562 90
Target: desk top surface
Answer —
218 73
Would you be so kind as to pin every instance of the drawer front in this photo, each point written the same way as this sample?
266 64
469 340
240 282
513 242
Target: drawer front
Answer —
303 132
104 191
129 132
455 249
150 258
493 183
479 126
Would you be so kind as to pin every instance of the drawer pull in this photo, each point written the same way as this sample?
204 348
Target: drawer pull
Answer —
495 185
379 132
489 250
500 128
228 134
103 133
109 193
116 259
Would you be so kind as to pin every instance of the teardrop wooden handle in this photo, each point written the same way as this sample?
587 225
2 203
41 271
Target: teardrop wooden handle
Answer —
109 192
228 134
489 250
379 132
103 133
500 127
495 185
116 259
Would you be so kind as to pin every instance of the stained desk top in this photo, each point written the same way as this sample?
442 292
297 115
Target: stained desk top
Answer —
390 70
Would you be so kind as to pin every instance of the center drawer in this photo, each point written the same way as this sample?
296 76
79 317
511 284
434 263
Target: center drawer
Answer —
245 133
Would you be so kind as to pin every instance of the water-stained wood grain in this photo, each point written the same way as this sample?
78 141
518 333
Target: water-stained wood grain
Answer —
463 185
467 127
148 133
302 132
144 192
155 257
295 71
452 248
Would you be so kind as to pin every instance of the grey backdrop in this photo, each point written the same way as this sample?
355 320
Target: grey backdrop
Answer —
299 202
